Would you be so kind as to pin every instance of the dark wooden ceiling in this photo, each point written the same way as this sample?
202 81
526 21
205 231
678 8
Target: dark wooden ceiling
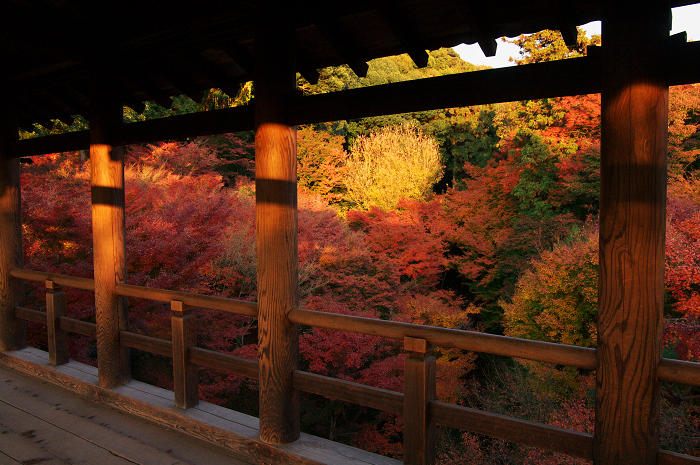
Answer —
160 48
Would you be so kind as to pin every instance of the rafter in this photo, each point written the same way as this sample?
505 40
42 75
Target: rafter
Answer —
486 40
330 31
406 32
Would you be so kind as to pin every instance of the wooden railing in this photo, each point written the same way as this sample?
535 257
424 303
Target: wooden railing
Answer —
417 403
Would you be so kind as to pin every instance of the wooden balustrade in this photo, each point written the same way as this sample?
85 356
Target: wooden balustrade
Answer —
560 354
222 304
185 373
419 385
55 309
418 405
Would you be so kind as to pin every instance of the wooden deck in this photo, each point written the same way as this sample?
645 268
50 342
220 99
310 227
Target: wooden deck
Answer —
44 424
58 414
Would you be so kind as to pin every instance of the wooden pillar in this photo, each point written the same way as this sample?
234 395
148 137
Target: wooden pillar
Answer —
632 231
418 391
55 309
185 374
108 225
13 331
276 223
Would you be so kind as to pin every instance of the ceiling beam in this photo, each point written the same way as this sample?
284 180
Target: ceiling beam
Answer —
540 80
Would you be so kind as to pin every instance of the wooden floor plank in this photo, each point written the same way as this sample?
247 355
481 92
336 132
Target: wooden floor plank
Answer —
219 428
72 431
7 460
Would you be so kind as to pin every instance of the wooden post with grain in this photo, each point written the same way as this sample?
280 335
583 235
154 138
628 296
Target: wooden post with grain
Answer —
185 374
276 223
418 391
55 309
108 225
632 232
13 331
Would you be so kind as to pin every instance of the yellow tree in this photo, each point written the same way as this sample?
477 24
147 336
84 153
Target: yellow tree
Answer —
392 163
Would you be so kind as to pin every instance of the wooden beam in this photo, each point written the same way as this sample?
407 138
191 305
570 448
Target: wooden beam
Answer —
473 341
550 79
13 332
540 80
634 148
347 391
570 35
276 224
108 225
531 433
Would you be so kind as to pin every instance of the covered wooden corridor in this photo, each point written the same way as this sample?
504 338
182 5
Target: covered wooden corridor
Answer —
136 51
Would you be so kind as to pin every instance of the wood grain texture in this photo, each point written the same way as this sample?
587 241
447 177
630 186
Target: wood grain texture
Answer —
347 391
13 331
58 338
276 225
419 389
632 232
147 343
86 284
108 227
224 362
666 457
526 432
560 354
29 314
679 371
572 77
218 426
185 373
76 326
222 304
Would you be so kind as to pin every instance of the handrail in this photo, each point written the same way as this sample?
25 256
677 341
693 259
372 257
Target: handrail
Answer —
86 284
222 304
560 354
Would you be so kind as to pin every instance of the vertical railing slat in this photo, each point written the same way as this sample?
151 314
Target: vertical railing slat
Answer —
419 390
55 309
185 374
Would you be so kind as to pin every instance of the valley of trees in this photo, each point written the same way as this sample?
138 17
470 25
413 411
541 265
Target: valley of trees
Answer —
480 218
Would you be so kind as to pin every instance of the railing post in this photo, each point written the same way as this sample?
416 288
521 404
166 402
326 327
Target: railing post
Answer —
55 309
185 374
276 222
418 391
108 223
634 149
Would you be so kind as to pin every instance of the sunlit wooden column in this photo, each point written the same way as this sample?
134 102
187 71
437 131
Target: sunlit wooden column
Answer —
276 197
13 332
632 231
108 225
